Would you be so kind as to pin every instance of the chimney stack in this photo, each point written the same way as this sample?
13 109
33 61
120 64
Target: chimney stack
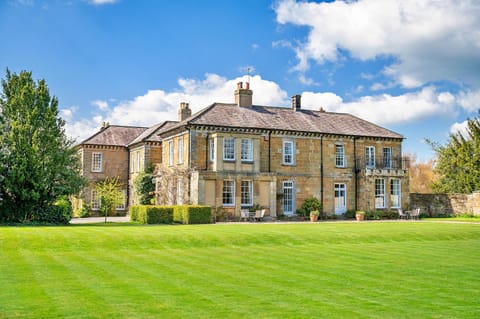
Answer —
296 102
184 111
243 97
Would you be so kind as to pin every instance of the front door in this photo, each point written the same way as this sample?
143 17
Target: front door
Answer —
340 198
288 197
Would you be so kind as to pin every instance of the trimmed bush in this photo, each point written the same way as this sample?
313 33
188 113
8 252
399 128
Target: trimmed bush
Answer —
179 213
184 214
134 213
55 214
149 214
198 215
190 214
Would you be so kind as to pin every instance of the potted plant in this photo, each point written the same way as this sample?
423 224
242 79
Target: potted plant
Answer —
360 215
314 215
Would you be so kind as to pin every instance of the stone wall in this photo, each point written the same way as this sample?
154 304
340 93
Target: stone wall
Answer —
446 204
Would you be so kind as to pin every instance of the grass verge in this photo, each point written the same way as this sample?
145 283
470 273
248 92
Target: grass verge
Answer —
321 270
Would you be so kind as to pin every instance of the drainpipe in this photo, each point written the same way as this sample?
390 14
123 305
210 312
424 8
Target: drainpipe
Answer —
321 172
269 146
189 159
128 181
355 170
206 151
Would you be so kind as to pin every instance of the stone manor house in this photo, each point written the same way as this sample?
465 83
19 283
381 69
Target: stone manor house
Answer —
236 155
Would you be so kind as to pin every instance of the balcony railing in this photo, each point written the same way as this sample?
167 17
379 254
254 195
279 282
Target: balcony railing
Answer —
384 163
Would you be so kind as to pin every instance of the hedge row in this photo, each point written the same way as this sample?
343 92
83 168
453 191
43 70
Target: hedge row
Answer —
184 214
147 214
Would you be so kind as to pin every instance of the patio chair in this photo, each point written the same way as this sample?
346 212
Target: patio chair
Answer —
259 215
415 214
401 214
244 214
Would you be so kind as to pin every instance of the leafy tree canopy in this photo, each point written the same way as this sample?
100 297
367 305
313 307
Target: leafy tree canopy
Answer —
458 161
144 186
39 164
110 193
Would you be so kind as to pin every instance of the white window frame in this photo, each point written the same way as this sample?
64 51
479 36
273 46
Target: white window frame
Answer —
180 150
95 203
97 162
212 150
288 152
247 150
387 157
340 155
380 198
288 203
123 205
180 191
132 162
246 193
229 149
228 193
395 193
340 190
370 156
138 161
170 152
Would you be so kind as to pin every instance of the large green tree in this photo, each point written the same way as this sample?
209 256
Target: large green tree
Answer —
39 162
458 161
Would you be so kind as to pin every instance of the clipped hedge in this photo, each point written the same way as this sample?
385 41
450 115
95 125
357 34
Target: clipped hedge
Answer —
183 214
192 214
149 214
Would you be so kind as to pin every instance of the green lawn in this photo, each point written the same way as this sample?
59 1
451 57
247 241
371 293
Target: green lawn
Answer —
321 270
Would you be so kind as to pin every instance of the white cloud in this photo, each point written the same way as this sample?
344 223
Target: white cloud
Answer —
102 105
470 100
431 40
156 106
386 109
459 128
100 2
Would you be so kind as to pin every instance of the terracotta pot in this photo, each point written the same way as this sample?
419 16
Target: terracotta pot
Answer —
313 218
359 217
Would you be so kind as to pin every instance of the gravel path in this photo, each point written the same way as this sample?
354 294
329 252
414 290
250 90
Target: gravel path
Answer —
89 220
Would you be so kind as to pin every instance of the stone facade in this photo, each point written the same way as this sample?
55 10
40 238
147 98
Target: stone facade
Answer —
234 156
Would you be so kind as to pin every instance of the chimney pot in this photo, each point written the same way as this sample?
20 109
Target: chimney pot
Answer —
296 102
184 111
243 97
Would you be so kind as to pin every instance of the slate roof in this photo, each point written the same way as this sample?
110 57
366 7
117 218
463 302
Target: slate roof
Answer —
151 134
283 118
114 135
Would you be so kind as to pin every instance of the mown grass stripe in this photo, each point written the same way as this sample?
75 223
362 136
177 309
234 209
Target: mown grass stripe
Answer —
347 270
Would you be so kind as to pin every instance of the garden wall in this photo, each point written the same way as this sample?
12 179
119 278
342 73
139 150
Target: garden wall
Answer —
446 204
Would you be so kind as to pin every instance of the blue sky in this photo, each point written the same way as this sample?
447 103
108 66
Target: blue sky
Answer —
410 66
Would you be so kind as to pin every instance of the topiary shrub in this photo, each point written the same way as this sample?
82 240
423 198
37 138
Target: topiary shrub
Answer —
149 214
179 213
197 215
54 214
133 211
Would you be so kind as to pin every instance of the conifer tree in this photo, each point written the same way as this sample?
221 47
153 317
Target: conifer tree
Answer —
39 163
458 161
